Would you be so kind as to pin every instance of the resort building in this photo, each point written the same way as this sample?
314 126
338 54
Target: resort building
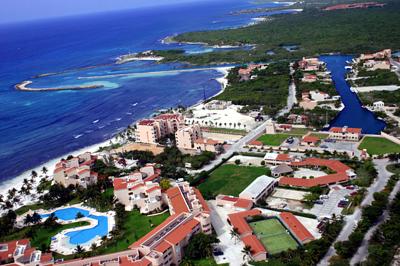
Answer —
152 130
186 137
310 64
245 73
133 192
234 203
278 158
208 145
296 227
281 169
378 106
341 173
20 252
310 141
76 171
259 189
319 96
218 105
345 133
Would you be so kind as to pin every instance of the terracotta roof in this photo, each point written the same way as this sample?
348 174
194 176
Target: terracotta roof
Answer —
228 198
345 130
168 116
83 171
256 246
238 220
177 200
182 232
154 231
153 189
146 122
296 227
311 139
318 181
243 203
256 143
152 177
203 203
46 257
206 141
335 165
125 261
283 157
163 246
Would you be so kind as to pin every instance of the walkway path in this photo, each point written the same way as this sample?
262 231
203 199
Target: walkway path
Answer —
362 252
351 221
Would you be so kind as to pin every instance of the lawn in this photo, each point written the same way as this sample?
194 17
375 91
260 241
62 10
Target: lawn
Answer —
40 235
136 225
226 131
299 131
273 235
379 146
26 208
230 180
274 140
319 135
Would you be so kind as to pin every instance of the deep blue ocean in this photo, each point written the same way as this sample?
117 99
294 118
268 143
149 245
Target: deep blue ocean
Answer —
38 126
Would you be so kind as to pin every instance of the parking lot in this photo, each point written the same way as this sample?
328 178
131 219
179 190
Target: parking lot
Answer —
330 205
341 146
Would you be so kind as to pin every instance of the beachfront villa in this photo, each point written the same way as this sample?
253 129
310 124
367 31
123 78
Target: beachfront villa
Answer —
20 252
345 133
133 192
76 171
152 130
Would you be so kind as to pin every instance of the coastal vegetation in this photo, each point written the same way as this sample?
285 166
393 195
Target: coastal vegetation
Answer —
314 31
388 97
268 89
230 179
378 77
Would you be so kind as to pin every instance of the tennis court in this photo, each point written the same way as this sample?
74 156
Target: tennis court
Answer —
273 235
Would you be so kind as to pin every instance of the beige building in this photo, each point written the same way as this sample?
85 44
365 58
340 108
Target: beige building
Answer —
208 145
152 130
133 192
76 171
345 133
185 137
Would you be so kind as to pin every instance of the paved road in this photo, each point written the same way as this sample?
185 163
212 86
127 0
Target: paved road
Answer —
362 252
237 145
351 221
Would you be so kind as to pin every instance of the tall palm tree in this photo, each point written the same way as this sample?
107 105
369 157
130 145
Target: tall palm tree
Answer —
246 252
79 249
44 170
34 174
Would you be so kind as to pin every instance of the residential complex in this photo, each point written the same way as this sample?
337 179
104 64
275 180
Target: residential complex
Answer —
259 189
20 252
152 130
345 133
186 137
76 171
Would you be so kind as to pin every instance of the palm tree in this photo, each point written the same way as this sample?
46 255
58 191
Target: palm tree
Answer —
1 198
79 249
44 170
235 234
34 174
246 252
26 181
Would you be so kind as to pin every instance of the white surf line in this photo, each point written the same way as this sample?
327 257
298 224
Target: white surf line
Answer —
144 74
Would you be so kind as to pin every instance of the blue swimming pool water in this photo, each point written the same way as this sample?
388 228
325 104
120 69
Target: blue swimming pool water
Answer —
79 237
353 114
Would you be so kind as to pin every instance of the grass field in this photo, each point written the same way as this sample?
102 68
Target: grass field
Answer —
379 146
230 180
226 131
273 140
273 235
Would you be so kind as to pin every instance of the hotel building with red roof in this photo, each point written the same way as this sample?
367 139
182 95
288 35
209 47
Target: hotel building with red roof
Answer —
345 133
152 130
20 252
342 173
76 171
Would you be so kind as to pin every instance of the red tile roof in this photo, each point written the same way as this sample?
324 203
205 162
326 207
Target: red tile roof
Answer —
152 177
180 233
238 220
163 246
206 141
168 116
125 261
153 189
146 122
283 157
345 130
203 203
243 203
256 246
296 227
177 200
311 139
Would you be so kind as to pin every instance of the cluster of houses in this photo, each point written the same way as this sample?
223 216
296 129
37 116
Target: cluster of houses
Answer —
246 73
376 61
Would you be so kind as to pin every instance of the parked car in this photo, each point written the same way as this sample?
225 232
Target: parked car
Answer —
351 187
218 252
324 197
323 146
343 203
319 202
290 140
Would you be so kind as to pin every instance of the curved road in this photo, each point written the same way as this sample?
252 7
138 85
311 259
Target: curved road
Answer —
351 221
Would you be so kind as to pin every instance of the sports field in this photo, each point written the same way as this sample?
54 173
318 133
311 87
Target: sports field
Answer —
273 235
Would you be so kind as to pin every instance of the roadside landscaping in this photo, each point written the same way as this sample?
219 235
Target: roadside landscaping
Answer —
379 146
230 180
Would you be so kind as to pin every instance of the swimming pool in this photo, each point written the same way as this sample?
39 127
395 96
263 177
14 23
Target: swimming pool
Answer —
82 236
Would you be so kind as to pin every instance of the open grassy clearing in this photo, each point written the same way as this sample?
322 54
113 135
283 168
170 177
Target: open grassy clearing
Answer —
230 180
379 146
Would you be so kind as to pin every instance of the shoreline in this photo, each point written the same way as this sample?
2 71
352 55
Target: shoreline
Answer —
23 86
17 181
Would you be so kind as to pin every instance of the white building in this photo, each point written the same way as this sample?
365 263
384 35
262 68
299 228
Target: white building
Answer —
378 106
259 188
319 96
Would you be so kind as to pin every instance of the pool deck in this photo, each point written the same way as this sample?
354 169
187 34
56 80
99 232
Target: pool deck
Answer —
60 243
